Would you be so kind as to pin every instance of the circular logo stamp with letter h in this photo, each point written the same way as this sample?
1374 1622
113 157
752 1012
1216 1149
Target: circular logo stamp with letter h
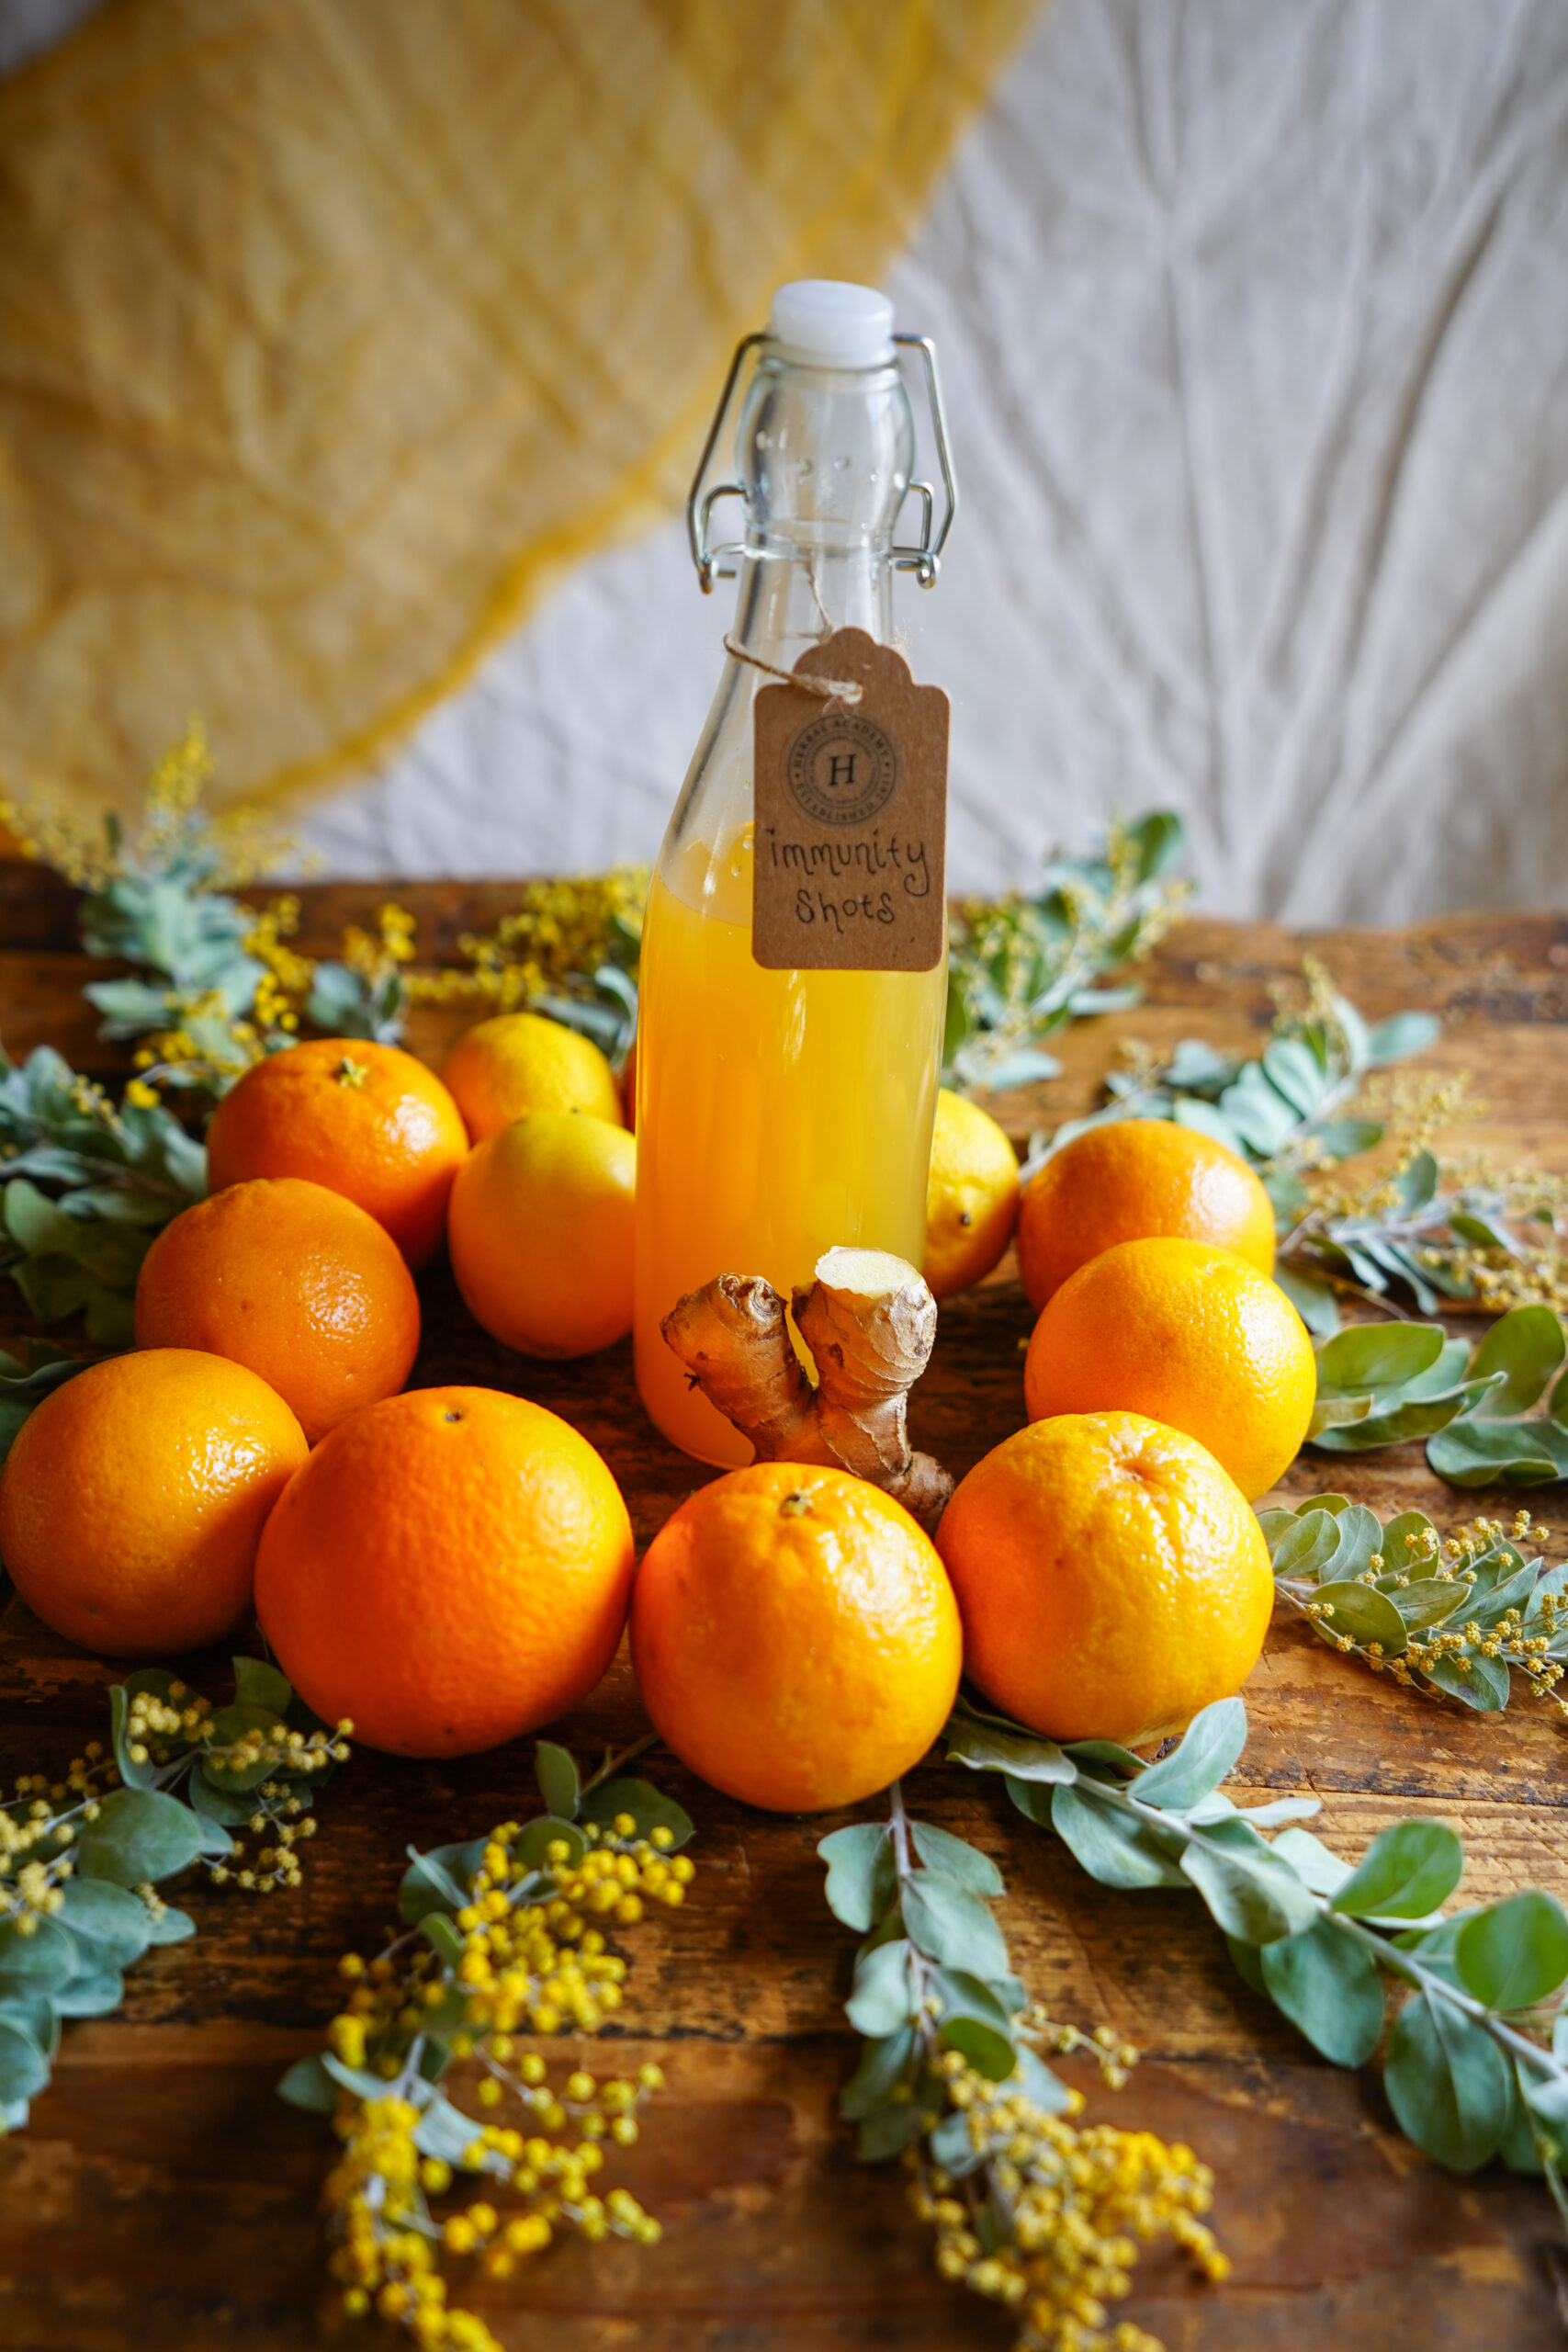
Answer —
842 769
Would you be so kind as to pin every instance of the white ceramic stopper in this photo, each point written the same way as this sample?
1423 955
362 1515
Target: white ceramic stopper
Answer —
827 322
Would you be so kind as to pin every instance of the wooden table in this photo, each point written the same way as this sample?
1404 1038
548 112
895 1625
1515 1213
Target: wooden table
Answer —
162 2195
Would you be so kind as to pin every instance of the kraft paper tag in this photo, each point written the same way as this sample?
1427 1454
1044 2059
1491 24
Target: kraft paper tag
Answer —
851 837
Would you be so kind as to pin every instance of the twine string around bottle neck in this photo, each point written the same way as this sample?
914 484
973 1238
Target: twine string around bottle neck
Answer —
844 690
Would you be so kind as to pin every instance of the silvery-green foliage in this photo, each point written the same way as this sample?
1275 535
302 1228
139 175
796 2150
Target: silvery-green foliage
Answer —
1476 2063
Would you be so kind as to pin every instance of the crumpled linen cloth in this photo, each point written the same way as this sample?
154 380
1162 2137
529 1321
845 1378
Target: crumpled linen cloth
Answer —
1254 316
333 330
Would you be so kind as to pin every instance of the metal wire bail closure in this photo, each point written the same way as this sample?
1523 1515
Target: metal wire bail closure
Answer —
924 560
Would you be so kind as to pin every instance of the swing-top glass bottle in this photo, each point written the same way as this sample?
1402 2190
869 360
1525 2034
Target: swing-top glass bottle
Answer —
780 1113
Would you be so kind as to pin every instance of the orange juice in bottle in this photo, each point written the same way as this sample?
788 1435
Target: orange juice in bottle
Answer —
781 1111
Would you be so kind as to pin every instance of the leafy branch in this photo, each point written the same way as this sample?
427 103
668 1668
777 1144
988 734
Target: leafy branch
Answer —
1020 969
501 1942
1476 2058
1447 1617
1385 1384
1490 1241
81 1857
1288 1109
1030 2209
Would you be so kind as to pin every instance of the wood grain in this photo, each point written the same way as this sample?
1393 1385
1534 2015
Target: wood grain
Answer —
163 2195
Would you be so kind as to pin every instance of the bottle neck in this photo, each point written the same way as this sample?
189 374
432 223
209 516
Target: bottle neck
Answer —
791 596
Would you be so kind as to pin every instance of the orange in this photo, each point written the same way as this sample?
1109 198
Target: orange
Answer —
795 1637
450 1568
1130 1180
540 1231
1194 1337
971 1195
521 1061
367 1121
135 1496
1112 1578
292 1279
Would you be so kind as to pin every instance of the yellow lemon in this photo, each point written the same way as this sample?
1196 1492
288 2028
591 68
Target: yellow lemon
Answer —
971 1196
520 1062
540 1233
1192 1337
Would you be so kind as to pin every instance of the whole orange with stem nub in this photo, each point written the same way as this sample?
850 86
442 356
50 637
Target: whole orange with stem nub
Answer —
296 1281
1112 1578
1192 1337
1132 1180
450 1568
795 1637
367 1121
135 1497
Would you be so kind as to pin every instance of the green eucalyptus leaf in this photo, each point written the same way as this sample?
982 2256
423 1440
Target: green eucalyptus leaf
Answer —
1447 2082
1251 1892
1208 1751
862 1877
1315 1864
357 2079
230 1724
988 1747
140 1835
36 1962
650 1808
954 1859
1040 2086
1476 1681
1519 2147
1358 1542
1527 1345
23 2069
1514 1953
989 2051
1426 1601
1113 1845
884 2065
1362 1611
116 1923
561 1784
1328 1986
888 2132
1407 1872
1477 1453
440 1880
883 1997
443 1938
953 2148
217 1805
308 2085
1308 1547
444 2131
531 1851
134 1775
951 1926
95 1991
257 1683
1377 1355
172 1926
998 2002
1312 1298
1402 1034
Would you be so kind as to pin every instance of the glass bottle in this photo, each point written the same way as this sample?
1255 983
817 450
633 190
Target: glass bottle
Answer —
780 1113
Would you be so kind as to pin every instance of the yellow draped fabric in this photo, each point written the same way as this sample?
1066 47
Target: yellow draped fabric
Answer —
330 329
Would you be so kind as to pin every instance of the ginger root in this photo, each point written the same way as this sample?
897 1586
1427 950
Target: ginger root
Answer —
869 1321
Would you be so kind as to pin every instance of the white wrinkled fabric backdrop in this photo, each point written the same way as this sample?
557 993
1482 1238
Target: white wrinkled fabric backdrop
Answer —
1254 318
